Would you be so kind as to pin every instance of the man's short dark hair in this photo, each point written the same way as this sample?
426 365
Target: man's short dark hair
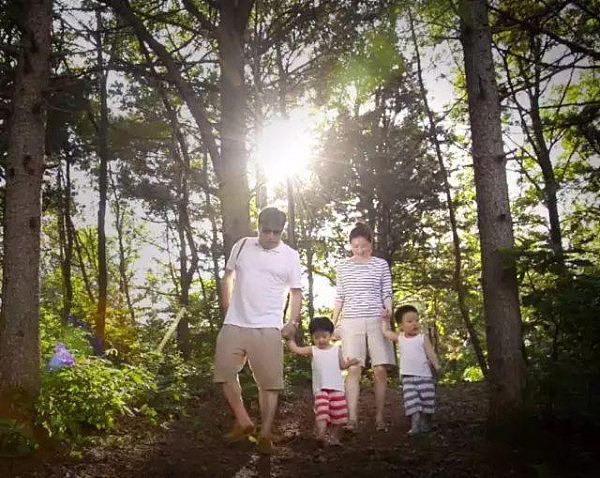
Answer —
404 309
272 215
320 324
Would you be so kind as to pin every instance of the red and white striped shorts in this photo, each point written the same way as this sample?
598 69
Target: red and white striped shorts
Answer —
330 406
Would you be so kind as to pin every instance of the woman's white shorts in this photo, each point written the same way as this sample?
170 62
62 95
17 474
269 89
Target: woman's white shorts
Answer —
364 336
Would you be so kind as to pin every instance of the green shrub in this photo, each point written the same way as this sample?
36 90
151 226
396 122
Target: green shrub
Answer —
172 377
53 331
91 395
561 331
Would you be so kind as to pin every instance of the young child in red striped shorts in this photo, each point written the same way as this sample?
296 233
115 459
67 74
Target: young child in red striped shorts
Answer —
331 411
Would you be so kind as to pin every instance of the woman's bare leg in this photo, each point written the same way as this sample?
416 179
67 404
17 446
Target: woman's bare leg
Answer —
380 376
352 392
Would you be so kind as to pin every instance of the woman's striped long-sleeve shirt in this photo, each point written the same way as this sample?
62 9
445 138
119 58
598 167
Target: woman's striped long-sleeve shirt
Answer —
362 288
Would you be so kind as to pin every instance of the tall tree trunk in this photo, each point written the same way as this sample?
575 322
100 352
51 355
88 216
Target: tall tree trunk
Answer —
231 169
500 289
19 318
457 278
100 329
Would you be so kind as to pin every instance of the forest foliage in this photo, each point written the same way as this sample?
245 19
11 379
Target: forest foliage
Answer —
392 147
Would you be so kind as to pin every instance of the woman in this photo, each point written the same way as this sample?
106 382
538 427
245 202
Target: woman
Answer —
364 292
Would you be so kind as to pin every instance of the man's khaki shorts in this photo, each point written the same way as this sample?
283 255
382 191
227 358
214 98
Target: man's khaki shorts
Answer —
364 336
262 348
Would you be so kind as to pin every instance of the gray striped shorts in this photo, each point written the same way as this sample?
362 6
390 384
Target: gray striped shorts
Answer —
418 394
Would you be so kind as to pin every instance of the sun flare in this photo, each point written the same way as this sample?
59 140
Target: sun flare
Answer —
285 147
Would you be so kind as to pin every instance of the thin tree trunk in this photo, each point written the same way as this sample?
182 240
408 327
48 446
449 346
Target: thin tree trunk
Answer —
457 279
283 111
262 194
183 328
184 226
291 229
500 289
19 318
543 157
100 329
120 228
185 274
82 267
306 243
65 252
535 135
69 241
215 252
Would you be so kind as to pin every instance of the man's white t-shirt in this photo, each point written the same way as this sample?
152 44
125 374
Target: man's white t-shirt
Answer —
262 280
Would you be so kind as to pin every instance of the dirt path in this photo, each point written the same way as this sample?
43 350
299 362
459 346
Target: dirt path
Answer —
193 446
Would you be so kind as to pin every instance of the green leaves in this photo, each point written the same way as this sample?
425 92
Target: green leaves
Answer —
91 395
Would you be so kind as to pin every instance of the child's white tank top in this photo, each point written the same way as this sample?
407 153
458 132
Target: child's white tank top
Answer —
413 360
326 372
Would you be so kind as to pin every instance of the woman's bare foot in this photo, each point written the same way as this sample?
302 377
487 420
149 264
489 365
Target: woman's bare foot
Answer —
351 426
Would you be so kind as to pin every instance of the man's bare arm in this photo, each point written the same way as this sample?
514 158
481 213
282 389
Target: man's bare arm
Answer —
295 306
227 288
289 329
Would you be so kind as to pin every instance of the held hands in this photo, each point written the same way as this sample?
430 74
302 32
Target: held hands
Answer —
289 330
337 333
437 371
348 362
385 319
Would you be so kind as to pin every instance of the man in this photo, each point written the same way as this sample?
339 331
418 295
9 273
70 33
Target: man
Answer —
258 275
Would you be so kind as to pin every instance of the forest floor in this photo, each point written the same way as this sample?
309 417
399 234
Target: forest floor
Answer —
192 446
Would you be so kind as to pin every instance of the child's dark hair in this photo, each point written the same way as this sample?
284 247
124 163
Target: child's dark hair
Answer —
403 309
361 230
320 324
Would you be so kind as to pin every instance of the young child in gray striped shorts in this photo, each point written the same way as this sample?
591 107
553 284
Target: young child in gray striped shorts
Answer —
416 355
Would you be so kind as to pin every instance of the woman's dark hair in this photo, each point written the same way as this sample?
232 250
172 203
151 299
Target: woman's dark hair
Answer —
400 311
320 324
361 230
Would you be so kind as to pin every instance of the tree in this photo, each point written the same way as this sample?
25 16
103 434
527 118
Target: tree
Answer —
457 279
500 290
19 318
103 156
230 160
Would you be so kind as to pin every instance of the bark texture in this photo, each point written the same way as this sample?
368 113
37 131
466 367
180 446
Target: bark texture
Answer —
19 318
500 292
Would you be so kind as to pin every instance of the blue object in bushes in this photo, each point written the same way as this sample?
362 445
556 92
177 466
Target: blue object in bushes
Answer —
61 358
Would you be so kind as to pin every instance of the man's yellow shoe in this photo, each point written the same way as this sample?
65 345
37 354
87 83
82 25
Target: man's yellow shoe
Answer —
238 433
